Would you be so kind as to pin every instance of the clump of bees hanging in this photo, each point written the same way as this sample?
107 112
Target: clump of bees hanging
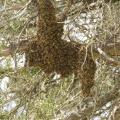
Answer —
52 54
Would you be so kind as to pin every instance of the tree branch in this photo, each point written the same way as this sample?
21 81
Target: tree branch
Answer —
91 1
5 52
63 15
108 59
108 50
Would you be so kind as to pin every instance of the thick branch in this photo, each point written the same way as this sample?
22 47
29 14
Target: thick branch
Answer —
20 47
111 49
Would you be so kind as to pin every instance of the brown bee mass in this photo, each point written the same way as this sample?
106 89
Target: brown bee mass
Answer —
52 54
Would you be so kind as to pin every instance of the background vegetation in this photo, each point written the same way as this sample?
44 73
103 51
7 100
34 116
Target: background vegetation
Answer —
27 93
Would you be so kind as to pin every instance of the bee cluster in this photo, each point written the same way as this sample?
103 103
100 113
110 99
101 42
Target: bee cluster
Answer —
52 54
